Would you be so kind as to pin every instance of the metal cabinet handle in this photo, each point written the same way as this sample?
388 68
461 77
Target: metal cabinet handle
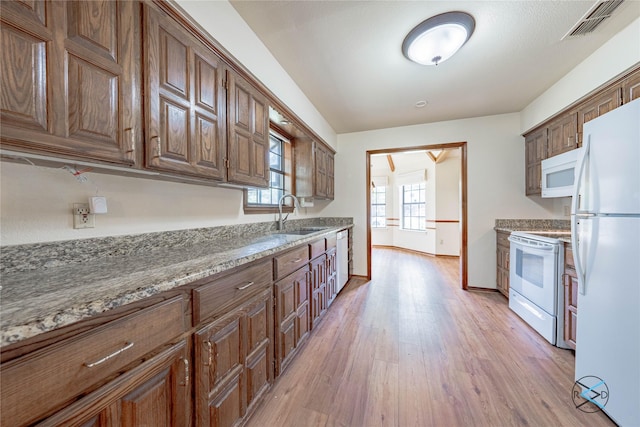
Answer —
186 372
241 288
293 261
210 361
127 346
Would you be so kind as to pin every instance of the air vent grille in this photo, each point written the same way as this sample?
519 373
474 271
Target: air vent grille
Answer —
596 15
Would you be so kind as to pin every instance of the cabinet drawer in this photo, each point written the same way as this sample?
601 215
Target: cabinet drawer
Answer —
220 295
503 238
37 384
317 248
290 261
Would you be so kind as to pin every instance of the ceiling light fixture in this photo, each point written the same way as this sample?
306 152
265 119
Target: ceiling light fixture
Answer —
421 104
435 40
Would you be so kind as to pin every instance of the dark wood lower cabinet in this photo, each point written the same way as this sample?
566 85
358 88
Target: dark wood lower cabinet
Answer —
332 276
570 282
156 393
233 363
203 357
502 262
318 289
292 316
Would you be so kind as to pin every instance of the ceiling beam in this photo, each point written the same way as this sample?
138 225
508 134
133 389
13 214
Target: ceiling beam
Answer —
391 165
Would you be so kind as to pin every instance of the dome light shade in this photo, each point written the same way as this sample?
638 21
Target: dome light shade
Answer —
438 38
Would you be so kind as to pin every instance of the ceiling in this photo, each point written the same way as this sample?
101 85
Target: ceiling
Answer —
346 55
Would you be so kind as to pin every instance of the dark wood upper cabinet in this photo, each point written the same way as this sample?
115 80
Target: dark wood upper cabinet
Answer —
185 100
535 151
603 102
314 165
562 134
71 79
248 114
631 88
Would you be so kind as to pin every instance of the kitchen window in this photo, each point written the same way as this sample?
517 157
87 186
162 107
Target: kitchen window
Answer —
265 200
414 207
379 206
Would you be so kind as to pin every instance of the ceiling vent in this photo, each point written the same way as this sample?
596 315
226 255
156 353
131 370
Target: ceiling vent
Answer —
594 17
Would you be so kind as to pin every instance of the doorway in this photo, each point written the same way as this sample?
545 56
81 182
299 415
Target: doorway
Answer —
462 146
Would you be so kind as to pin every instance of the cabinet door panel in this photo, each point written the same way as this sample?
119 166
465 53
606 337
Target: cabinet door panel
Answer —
248 133
535 152
330 176
226 407
150 404
286 299
23 98
185 102
219 371
226 346
101 79
259 357
93 103
631 87
85 26
31 12
258 372
258 321
603 103
174 122
286 343
74 87
562 134
302 323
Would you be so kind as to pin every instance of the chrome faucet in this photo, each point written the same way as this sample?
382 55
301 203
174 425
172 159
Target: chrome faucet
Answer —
296 203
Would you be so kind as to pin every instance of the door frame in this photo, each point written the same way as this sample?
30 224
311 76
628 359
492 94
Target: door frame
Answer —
463 201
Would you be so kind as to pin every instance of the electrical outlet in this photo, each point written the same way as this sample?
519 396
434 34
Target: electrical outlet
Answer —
82 216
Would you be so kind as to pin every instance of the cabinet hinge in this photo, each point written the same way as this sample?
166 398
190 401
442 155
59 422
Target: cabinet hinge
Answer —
226 163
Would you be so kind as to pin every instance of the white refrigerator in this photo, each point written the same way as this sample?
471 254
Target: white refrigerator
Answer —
606 246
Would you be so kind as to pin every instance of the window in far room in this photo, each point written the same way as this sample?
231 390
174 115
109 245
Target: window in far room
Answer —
378 206
414 207
265 200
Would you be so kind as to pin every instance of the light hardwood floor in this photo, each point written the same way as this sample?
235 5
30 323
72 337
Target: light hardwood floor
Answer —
410 348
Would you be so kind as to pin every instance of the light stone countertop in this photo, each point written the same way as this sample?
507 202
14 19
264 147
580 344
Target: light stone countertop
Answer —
41 300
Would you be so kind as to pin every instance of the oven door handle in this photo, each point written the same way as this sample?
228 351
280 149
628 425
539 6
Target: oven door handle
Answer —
543 247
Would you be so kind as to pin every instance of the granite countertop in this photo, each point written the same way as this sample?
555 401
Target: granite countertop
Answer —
538 225
44 299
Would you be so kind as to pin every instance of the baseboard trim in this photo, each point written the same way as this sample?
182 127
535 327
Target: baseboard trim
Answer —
478 289
398 248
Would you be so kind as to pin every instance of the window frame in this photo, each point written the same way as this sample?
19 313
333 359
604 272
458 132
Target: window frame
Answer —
374 205
287 158
423 195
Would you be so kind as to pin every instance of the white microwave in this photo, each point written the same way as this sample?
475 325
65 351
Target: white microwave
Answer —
559 173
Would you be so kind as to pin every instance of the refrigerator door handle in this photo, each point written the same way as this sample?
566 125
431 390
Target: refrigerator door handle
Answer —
575 241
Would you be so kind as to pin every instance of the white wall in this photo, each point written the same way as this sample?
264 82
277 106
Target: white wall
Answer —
442 202
36 205
618 54
495 181
448 181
